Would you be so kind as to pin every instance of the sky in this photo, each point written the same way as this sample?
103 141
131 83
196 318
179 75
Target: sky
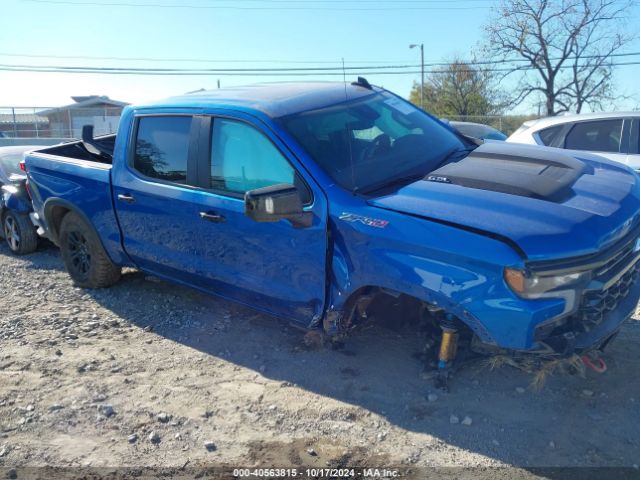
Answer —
251 33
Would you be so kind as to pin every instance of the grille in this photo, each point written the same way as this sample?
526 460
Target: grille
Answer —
596 304
617 259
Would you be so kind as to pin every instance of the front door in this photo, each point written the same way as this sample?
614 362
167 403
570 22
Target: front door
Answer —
180 204
276 265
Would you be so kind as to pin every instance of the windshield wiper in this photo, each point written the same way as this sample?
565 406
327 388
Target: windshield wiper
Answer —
390 183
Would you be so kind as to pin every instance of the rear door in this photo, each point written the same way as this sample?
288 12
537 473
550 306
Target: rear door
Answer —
155 195
276 265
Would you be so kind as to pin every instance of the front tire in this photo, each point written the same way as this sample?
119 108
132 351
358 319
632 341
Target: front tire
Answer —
83 255
19 233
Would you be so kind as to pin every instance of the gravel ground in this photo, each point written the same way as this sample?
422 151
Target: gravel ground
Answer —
150 374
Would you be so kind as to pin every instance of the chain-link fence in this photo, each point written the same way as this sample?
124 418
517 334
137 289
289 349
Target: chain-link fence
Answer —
56 122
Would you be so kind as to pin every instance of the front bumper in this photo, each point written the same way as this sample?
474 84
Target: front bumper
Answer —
599 317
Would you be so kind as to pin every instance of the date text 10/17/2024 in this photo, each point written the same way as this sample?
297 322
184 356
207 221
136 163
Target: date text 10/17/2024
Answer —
316 473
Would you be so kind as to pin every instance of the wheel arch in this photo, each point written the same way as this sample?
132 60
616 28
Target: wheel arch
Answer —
344 309
55 209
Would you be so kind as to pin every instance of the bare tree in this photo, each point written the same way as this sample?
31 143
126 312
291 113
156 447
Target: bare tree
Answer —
564 47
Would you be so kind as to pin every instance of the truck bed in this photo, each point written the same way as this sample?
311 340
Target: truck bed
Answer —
79 151
72 177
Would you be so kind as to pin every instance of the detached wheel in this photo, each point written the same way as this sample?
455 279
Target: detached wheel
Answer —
83 255
19 233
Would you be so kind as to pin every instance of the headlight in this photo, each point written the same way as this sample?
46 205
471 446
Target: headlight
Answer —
530 286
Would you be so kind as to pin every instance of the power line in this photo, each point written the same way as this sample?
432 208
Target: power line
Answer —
192 60
252 73
268 2
383 65
215 70
236 7
332 1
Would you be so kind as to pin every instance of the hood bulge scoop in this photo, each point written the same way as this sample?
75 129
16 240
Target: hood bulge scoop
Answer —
511 168
516 191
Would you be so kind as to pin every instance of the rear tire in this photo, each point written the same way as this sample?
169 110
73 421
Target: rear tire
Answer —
83 255
19 233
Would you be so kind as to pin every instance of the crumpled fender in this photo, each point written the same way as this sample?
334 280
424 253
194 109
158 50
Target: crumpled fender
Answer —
433 282
457 270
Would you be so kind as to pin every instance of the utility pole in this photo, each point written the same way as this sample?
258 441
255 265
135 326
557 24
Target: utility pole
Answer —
15 123
413 45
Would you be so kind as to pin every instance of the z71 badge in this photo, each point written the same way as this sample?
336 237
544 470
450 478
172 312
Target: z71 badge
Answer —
438 178
370 222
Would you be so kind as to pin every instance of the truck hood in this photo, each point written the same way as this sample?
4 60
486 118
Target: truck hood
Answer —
594 203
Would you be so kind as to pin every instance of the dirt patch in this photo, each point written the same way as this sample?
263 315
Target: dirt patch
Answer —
312 453
147 374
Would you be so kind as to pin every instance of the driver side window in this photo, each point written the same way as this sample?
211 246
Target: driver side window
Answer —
243 159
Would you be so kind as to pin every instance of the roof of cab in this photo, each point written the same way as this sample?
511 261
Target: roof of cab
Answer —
273 99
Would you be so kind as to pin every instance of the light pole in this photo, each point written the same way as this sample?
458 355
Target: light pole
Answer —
413 45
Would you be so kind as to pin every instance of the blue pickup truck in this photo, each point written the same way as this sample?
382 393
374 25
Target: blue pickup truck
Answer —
315 202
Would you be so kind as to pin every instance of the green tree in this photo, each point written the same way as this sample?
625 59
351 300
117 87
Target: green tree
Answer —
459 89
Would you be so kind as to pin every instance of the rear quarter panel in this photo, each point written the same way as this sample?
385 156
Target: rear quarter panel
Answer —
78 185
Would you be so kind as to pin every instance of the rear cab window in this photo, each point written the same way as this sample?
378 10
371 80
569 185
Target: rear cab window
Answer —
597 136
162 147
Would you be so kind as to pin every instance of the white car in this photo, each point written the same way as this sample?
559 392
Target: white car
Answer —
611 135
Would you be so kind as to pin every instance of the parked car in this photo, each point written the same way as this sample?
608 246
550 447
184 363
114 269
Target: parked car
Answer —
611 135
318 202
478 130
10 158
15 204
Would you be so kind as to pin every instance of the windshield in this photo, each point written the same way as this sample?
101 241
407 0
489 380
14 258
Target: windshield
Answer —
368 142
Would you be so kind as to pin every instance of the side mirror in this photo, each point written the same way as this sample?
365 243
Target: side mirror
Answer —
275 203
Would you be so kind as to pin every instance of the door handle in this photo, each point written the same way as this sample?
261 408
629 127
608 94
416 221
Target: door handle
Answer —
212 217
126 198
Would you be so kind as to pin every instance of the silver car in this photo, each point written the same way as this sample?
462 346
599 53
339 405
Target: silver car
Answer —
611 135
17 228
10 158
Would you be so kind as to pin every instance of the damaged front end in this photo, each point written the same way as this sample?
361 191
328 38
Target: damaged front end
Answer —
601 305
574 340
597 319
601 292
